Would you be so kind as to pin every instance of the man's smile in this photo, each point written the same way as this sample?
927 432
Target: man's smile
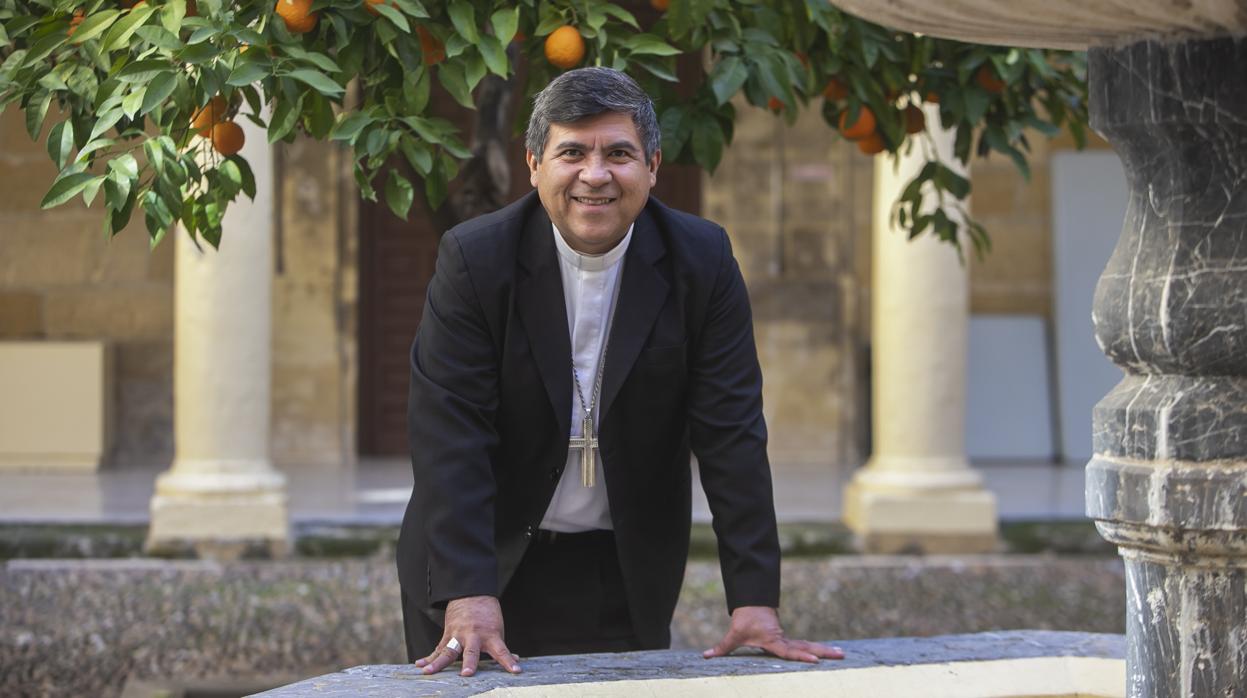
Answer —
593 200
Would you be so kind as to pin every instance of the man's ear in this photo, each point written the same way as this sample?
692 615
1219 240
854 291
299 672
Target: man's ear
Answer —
532 161
654 162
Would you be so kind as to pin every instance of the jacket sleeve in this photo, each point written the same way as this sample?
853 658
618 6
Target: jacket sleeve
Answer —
450 425
728 435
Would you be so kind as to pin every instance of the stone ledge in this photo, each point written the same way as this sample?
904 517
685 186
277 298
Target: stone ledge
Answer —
995 656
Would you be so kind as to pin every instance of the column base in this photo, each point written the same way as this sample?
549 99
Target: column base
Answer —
243 516
895 520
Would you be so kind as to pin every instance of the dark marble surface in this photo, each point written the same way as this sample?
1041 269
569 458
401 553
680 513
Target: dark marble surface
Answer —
402 680
1168 483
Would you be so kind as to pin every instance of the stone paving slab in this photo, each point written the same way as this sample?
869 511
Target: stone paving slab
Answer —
400 680
89 627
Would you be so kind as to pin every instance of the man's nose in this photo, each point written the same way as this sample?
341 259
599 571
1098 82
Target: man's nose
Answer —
595 173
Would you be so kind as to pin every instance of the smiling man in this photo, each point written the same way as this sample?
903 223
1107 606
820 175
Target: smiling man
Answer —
574 347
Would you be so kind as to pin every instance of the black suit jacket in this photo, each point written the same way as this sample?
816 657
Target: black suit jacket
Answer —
491 401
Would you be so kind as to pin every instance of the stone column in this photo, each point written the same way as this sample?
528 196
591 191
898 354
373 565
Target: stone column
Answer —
918 491
1168 481
222 494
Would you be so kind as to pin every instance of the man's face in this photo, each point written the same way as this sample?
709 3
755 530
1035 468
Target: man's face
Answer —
593 179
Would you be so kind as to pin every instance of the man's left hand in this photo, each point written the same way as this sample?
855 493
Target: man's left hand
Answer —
758 626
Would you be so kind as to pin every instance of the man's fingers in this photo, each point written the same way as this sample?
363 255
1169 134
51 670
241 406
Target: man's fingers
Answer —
824 651
787 649
725 647
441 658
471 655
498 650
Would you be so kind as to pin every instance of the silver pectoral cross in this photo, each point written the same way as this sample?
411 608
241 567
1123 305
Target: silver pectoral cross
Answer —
587 443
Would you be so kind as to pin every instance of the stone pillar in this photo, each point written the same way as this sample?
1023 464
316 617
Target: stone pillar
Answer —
222 494
1168 481
918 491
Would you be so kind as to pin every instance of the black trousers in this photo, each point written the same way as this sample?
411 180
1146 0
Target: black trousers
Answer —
566 597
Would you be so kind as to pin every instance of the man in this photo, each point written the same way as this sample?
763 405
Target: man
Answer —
574 345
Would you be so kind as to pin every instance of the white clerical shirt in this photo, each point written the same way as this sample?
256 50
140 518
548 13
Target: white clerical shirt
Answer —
590 289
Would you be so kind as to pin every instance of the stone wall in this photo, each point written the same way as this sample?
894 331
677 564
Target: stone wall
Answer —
60 278
314 306
796 203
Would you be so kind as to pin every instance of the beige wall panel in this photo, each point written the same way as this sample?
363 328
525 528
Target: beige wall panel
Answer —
311 411
785 195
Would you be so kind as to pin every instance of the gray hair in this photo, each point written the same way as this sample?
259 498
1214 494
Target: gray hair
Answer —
586 92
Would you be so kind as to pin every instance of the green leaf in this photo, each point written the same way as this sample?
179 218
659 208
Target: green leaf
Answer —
60 142
622 15
119 35
285 116
105 122
318 60
248 178
418 154
463 16
319 117
473 69
145 70
435 187
117 190
154 153
451 77
202 34
231 175
413 8
159 37
247 73
158 90
349 126
67 187
133 101
94 25
495 56
398 194
506 22
727 77
36 112
648 44
317 81
707 143
396 18
44 46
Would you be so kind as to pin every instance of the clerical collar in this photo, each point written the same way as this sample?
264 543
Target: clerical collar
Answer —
592 262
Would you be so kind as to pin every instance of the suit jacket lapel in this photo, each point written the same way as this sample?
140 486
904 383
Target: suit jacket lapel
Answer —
543 310
641 295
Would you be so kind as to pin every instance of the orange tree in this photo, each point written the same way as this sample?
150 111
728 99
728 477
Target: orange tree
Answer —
140 100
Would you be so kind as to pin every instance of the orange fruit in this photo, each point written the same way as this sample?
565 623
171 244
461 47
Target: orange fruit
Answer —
660 5
871 144
74 21
432 49
863 126
298 15
565 48
209 115
986 78
915 120
835 90
775 105
368 5
227 137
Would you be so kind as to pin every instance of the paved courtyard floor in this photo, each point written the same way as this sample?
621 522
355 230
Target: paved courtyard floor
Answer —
375 491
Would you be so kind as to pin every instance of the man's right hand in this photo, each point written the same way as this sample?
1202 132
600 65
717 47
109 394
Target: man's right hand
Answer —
476 623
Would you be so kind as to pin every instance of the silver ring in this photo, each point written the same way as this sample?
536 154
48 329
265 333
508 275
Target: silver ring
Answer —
453 645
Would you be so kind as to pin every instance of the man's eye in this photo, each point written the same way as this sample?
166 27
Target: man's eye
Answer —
620 154
571 153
